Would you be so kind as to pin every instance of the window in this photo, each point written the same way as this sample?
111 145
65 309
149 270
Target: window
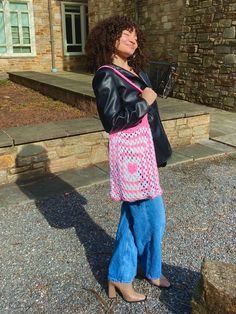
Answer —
75 27
16 28
3 47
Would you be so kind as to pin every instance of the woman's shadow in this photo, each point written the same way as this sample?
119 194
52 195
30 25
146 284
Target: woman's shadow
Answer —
68 211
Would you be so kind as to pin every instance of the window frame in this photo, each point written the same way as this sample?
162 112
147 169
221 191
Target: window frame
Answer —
82 5
8 33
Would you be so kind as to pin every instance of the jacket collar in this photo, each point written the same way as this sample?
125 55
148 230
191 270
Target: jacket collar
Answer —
141 75
145 79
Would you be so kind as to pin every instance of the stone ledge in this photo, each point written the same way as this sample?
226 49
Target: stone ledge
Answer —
48 131
76 89
73 92
44 79
196 126
5 139
48 148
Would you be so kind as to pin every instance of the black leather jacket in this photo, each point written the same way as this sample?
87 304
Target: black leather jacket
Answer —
120 106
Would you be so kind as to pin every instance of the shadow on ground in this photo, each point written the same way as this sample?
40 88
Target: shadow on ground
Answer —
178 298
96 242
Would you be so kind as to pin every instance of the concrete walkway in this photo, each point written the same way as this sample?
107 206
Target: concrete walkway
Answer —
222 142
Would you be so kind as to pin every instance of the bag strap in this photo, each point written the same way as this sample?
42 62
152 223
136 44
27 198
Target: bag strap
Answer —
123 76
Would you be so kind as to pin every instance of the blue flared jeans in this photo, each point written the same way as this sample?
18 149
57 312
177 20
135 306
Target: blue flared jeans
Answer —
139 237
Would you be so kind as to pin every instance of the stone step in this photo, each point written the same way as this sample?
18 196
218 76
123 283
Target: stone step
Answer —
74 91
36 150
26 189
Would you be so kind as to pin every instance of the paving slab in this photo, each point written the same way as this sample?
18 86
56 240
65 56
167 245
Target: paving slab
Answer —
48 186
200 151
221 128
36 133
104 166
84 177
222 123
11 194
178 158
47 131
221 147
81 126
76 83
85 77
5 139
51 184
215 132
229 139
175 108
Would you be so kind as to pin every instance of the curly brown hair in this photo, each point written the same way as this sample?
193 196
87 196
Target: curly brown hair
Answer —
100 45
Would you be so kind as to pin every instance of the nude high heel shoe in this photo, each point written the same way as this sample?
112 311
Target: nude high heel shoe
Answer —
162 282
126 290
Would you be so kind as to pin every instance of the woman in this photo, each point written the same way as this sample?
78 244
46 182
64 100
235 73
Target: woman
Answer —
119 43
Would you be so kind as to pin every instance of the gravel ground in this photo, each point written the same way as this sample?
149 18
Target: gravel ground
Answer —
55 252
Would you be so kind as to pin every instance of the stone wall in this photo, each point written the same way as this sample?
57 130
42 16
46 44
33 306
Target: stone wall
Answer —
162 22
26 161
200 35
35 159
189 130
98 10
207 58
42 60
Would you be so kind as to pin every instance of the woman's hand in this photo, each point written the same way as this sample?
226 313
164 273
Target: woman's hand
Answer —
149 95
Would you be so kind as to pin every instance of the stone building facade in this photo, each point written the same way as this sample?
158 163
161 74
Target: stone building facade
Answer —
207 54
198 34
161 20
33 16
98 10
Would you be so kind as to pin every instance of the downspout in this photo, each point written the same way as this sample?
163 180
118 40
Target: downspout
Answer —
52 41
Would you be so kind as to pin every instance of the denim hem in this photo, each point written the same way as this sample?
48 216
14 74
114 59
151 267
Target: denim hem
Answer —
153 278
121 281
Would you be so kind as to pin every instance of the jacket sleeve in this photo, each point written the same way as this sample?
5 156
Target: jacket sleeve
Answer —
116 112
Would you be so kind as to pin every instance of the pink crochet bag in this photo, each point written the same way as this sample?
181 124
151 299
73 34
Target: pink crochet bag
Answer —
132 161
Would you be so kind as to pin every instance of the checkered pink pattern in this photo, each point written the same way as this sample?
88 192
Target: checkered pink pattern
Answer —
133 167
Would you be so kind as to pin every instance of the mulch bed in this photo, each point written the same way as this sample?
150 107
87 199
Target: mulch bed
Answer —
20 106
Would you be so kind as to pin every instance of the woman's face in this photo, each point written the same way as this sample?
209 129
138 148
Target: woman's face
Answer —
127 44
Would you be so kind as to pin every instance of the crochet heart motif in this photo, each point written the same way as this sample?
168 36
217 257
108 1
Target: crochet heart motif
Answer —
132 168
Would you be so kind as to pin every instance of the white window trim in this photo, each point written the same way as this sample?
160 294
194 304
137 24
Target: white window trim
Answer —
9 44
83 30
